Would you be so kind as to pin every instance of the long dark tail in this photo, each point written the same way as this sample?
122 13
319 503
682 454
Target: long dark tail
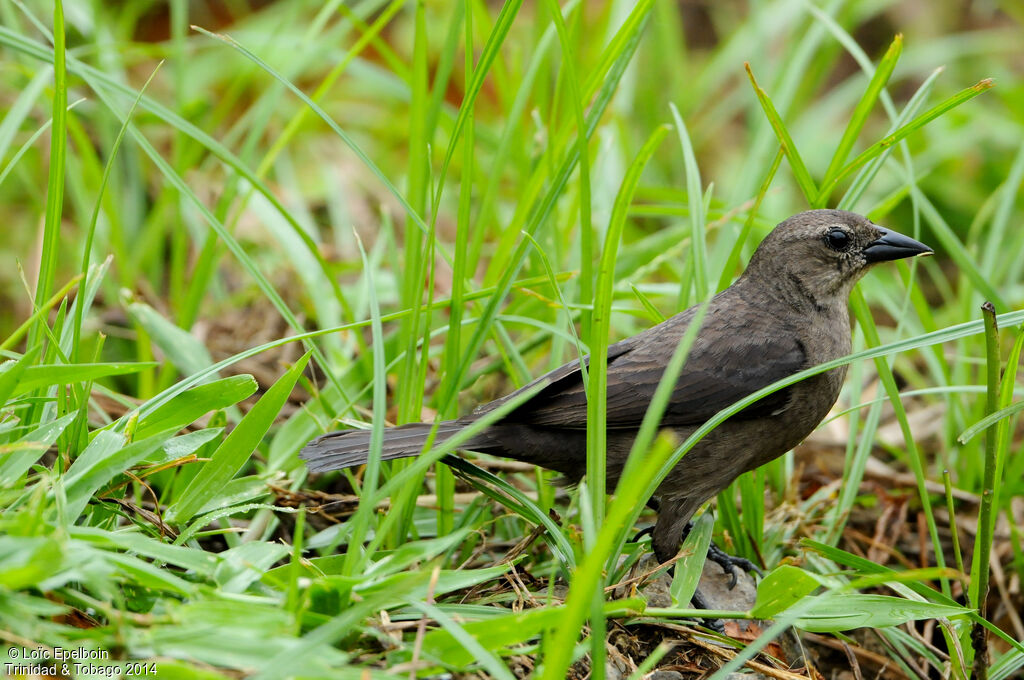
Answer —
337 450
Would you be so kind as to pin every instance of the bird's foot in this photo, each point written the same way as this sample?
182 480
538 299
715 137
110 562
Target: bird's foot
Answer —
730 564
701 602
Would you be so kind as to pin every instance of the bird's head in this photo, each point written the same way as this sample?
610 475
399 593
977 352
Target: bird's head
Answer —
823 253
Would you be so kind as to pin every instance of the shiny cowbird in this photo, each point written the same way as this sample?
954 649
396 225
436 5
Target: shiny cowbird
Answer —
787 312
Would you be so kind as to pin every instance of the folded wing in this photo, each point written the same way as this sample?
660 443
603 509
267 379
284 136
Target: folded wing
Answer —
733 356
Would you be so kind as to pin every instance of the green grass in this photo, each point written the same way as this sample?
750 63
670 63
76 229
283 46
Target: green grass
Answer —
227 234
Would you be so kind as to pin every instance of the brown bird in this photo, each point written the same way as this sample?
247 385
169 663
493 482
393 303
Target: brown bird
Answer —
786 313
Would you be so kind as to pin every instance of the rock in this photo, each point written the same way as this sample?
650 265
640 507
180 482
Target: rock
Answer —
664 675
714 586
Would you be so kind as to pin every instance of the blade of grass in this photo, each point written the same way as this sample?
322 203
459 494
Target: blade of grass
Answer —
597 382
694 195
29 143
55 179
349 142
796 163
444 480
568 74
502 25
928 116
646 458
956 250
91 231
916 461
860 182
689 567
508 495
859 116
496 668
236 448
355 559
417 259
402 479
232 243
40 312
733 260
625 45
980 567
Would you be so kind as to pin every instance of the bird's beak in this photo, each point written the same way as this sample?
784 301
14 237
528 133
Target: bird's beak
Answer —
892 245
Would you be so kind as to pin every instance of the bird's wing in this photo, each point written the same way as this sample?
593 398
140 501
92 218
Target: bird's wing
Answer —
734 355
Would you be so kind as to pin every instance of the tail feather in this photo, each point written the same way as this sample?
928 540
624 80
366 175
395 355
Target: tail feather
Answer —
346 448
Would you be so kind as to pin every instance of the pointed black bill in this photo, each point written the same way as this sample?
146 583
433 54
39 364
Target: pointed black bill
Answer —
892 245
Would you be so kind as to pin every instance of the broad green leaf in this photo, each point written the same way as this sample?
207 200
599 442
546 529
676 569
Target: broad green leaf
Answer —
187 407
103 460
30 448
783 587
836 611
246 563
284 662
25 561
501 632
415 551
11 372
689 567
150 575
187 444
447 581
133 540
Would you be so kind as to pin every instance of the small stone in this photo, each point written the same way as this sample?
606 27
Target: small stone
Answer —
664 675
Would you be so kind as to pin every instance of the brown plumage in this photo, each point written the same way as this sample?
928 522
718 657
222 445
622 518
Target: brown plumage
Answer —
787 312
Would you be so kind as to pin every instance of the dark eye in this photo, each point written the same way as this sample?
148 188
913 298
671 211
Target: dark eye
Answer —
837 239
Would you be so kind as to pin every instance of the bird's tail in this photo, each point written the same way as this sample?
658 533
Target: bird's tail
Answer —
337 450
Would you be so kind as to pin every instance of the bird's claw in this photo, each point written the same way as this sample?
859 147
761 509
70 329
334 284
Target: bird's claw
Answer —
730 563
701 602
646 531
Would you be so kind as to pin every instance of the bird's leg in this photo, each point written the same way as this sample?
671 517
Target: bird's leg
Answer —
653 504
700 602
646 531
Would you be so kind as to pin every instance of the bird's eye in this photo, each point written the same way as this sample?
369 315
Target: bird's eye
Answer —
837 239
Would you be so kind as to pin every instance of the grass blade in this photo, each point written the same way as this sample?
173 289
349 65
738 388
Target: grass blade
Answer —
859 117
694 195
796 163
236 448
597 383
55 182
914 125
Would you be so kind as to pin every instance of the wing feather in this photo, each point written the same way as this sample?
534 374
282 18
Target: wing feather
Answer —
735 354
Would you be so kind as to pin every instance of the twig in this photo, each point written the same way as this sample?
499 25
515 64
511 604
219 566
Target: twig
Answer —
866 655
851 658
761 668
